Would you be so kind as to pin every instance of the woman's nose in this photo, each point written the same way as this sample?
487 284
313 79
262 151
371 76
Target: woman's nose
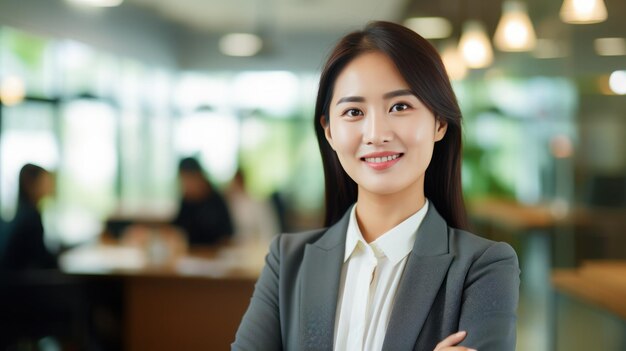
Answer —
376 129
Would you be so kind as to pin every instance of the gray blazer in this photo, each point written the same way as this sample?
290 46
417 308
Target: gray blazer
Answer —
453 280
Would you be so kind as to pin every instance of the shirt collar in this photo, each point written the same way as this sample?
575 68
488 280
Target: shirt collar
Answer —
395 244
353 236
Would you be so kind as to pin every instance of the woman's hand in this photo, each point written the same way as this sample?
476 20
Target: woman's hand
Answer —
448 343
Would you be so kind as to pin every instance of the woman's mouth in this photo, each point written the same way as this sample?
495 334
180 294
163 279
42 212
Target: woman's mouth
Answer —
382 161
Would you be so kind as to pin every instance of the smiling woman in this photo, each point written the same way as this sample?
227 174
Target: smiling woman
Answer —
395 269
384 136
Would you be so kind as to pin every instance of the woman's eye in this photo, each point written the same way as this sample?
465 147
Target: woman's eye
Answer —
399 107
353 112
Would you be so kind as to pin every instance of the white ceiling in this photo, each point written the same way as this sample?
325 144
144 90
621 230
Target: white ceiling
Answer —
279 15
304 20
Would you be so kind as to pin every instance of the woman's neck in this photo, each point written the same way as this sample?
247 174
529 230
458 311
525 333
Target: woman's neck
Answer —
376 214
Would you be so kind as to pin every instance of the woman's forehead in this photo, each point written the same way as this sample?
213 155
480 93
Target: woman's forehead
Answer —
370 73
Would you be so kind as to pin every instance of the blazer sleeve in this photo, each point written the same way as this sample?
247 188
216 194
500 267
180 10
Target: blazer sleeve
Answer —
490 299
260 326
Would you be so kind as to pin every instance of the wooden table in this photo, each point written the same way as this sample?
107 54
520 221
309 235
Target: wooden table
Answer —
193 303
513 215
601 283
590 306
531 230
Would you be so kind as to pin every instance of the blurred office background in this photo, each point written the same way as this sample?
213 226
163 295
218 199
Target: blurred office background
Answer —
110 98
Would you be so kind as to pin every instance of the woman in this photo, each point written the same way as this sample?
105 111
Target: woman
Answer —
203 213
25 248
394 270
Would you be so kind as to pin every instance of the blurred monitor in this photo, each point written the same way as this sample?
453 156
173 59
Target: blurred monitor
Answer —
115 227
607 191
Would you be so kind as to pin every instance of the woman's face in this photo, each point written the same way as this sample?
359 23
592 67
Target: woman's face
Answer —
383 134
44 186
193 185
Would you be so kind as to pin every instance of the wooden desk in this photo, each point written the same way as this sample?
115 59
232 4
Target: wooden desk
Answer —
590 307
195 303
600 283
174 313
510 214
531 232
514 215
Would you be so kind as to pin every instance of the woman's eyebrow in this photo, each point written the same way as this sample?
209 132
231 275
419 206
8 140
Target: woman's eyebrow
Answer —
386 96
396 93
350 99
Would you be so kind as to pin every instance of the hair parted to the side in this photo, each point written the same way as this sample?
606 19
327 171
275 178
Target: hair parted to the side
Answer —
421 66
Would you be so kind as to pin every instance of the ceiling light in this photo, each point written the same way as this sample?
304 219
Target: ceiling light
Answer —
617 82
98 3
452 59
515 31
12 90
583 11
240 44
430 27
474 45
610 46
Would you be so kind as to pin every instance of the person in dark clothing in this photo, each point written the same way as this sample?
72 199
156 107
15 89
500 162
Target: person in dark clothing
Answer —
25 247
203 213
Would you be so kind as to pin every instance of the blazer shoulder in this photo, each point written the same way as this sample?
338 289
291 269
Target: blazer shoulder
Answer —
290 243
464 243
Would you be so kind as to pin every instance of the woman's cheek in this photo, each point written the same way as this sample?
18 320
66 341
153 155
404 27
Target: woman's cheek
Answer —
344 135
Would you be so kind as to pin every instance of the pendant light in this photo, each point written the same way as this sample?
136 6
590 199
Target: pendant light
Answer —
240 44
610 46
98 3
617 82
583 11
453 61
474 45
515 31
12 90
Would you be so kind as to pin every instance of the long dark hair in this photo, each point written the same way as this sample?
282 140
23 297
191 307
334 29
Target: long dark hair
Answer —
422 68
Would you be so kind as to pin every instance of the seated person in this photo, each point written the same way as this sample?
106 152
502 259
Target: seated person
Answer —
25 247
203 213
254 219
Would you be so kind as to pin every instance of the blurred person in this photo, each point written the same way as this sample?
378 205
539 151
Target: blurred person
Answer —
25 247
395 269
254 220
203 214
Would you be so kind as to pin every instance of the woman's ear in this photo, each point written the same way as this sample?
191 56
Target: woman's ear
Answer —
441 126
326 125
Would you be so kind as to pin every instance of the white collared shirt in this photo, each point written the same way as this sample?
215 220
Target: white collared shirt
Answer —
369 280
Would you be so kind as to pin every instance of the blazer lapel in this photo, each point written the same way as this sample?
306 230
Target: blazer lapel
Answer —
321 273
425 270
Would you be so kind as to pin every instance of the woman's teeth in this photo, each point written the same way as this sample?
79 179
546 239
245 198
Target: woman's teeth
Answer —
381 159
